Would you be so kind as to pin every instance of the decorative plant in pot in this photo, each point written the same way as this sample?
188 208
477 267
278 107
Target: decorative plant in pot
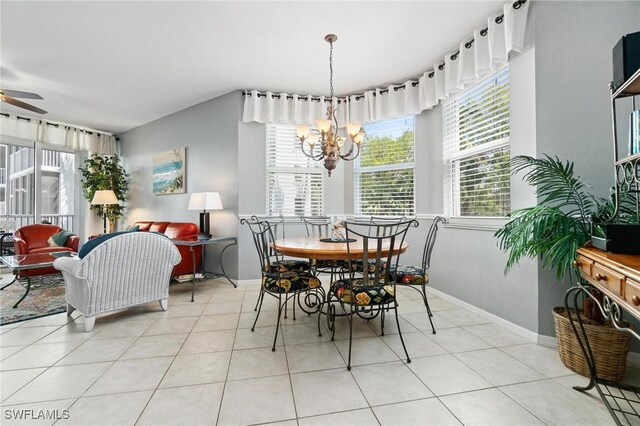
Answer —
100 172
554 230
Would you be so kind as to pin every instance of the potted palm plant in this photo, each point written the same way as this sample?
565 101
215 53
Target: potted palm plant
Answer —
553 230
100 172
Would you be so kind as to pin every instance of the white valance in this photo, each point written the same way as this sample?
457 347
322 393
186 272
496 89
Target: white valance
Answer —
478 56
35 129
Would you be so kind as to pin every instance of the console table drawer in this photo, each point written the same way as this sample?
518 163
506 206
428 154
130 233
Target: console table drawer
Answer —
584 265
632 294
612 281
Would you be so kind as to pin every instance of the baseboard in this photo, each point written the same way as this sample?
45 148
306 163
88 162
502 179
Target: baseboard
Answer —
548 341
521 331
247 282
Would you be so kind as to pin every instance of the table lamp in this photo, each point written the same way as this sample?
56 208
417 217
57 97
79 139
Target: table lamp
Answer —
205 201
104 198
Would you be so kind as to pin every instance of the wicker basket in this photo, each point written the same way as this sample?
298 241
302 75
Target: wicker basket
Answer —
609 346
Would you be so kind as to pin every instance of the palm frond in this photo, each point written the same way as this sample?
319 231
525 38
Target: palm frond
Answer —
544 231
556 185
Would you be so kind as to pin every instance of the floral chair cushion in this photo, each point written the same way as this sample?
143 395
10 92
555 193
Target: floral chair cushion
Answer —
290 282
289 266
408 274
358 266
378 294
327 264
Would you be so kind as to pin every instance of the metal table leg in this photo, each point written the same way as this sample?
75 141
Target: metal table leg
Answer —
15 278
193 278
25 293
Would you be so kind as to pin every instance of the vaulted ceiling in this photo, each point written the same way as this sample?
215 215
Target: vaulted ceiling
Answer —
113 66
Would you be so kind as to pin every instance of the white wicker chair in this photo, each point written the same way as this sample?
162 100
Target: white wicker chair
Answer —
124 271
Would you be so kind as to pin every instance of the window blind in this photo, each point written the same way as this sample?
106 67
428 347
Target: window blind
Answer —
295 182
384 171
476 151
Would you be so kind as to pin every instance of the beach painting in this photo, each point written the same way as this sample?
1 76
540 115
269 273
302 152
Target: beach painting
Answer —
169 172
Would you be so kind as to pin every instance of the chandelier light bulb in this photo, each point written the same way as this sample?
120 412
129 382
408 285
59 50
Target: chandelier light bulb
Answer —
302 131
353 129
313 139
323 125
359 137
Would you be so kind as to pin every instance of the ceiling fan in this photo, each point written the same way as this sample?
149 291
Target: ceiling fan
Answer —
9 95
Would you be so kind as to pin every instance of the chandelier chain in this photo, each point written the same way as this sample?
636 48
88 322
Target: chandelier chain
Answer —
331 69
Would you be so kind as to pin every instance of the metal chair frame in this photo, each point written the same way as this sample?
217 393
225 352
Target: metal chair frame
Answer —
263 236
426 262
372 235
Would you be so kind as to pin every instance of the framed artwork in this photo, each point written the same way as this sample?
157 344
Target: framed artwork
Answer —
169 170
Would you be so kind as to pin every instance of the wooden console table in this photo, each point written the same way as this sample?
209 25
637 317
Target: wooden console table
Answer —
617 277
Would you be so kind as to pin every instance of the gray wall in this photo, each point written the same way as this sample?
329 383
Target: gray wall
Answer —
209 131
573 42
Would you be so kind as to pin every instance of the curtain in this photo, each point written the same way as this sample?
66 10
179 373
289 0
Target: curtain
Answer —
484 52
31 128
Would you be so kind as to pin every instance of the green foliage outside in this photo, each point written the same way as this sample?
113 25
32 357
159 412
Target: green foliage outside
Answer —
397 185
101 173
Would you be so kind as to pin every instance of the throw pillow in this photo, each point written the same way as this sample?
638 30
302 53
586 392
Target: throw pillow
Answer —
59 239
91 244
132 228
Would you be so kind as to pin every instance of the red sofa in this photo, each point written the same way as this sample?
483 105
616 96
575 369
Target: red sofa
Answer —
180 230
33 239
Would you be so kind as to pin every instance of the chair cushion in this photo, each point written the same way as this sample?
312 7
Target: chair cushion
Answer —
328 264
408 274
357 266
377 294
291 281
289 266
50 250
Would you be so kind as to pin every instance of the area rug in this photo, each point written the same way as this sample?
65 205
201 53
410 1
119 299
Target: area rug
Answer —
45 298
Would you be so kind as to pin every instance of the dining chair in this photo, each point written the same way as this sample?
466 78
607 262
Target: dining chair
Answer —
281 279
375 290
415 277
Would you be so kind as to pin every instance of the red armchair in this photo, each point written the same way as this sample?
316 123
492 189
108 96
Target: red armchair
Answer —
180 230
33 239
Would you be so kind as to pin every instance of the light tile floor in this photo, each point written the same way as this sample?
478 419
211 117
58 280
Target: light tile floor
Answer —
199 363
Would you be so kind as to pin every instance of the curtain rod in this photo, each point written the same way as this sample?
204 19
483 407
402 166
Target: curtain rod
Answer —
56 125
483 32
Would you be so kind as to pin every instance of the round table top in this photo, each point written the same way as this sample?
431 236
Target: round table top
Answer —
313 248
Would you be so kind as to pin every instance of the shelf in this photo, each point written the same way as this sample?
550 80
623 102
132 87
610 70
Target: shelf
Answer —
631 87
622 400
628 159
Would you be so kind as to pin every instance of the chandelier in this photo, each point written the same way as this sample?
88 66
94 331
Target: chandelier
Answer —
329 141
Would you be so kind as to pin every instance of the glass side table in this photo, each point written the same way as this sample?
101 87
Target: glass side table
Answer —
193 242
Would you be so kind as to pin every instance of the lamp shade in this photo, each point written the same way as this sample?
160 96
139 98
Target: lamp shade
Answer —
205 201
103 197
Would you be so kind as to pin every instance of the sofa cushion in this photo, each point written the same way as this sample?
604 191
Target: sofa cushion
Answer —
59 239
50 250
91 244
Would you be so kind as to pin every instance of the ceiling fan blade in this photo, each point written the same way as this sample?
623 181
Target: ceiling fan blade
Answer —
15 102
20 94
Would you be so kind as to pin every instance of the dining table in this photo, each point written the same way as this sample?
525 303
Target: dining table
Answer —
323 248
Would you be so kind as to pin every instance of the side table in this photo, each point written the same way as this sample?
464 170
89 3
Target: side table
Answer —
191 243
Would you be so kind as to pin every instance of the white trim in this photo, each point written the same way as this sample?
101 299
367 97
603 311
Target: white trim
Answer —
548 341
244 283
519 330
477 223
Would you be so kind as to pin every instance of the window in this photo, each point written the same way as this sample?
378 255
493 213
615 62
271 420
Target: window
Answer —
384 171
476 149
295 182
